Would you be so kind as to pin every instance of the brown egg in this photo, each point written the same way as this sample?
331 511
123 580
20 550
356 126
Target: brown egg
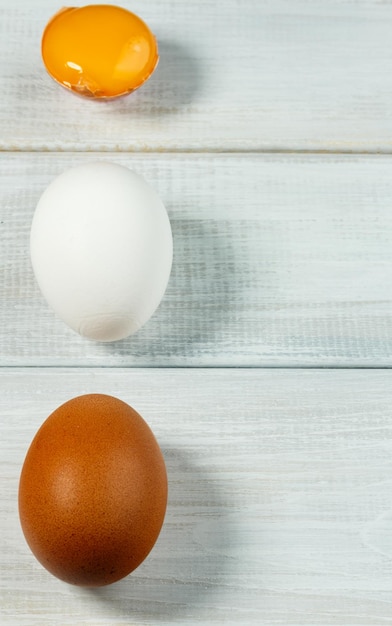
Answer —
93 491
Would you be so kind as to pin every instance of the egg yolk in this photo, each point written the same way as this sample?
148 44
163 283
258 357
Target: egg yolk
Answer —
99 51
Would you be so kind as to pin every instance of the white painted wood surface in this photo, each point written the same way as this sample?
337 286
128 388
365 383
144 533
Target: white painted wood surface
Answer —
279 508
278 260
233 75
280 485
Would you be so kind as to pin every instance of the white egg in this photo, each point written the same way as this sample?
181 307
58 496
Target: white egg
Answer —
101 249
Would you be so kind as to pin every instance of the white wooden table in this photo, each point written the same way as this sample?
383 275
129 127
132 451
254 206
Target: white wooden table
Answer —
267 130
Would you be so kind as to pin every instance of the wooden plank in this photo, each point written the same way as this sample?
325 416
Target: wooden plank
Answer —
278 260
251 75
280 498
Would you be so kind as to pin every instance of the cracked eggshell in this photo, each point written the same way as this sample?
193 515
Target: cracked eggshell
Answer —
101 249
99 51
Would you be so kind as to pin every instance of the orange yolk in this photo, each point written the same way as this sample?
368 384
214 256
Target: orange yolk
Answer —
99 51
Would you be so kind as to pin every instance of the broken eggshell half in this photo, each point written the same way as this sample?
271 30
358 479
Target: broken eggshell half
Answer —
99 51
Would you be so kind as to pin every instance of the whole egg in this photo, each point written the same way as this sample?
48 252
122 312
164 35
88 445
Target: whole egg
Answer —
101 249
92 491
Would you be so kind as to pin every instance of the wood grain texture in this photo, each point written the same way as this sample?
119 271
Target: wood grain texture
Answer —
279 508
278 260
234 75
280 491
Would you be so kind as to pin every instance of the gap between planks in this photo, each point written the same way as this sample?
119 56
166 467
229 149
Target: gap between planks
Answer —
208 150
